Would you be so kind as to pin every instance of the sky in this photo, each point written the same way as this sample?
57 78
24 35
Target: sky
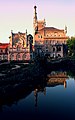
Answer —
17 15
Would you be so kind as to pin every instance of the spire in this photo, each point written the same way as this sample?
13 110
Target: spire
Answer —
65 29
35 13
11 31
44 22
11 38
26 39
26 31
35 22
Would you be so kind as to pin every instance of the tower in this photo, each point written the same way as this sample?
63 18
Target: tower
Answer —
10 39
35 25
35 14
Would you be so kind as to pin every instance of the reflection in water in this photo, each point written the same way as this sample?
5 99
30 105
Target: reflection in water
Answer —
12 94
48 105
57 78
53 79
36 91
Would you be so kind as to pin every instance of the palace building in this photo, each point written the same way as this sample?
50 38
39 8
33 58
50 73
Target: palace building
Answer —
19 46
48 40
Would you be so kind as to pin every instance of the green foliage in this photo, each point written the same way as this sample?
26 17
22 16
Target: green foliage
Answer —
71 46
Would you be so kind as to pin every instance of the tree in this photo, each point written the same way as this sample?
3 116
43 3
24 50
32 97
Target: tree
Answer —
71 46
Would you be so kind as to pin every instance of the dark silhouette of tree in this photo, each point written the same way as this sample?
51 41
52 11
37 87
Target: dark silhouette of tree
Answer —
71 46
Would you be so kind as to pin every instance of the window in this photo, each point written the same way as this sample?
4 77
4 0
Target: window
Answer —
58 48
18 57
50 41
1 50
12 57
0 57
54 41
18 48
46 50
46 47
24 56
64 41
31 56
46 41
5 57
38 36
53 49
57 41
55 33
6 50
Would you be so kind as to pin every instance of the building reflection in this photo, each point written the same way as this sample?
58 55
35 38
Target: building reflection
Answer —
12 94
36 95
53 79
57 78
36 91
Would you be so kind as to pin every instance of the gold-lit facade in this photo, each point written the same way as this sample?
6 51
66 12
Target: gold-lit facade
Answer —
48 40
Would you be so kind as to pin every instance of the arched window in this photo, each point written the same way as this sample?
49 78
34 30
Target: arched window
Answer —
18 57
18 48
6 50
24 56
53 49
12 57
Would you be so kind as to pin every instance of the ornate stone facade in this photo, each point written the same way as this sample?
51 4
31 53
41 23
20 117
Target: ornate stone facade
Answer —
48 40
19 48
